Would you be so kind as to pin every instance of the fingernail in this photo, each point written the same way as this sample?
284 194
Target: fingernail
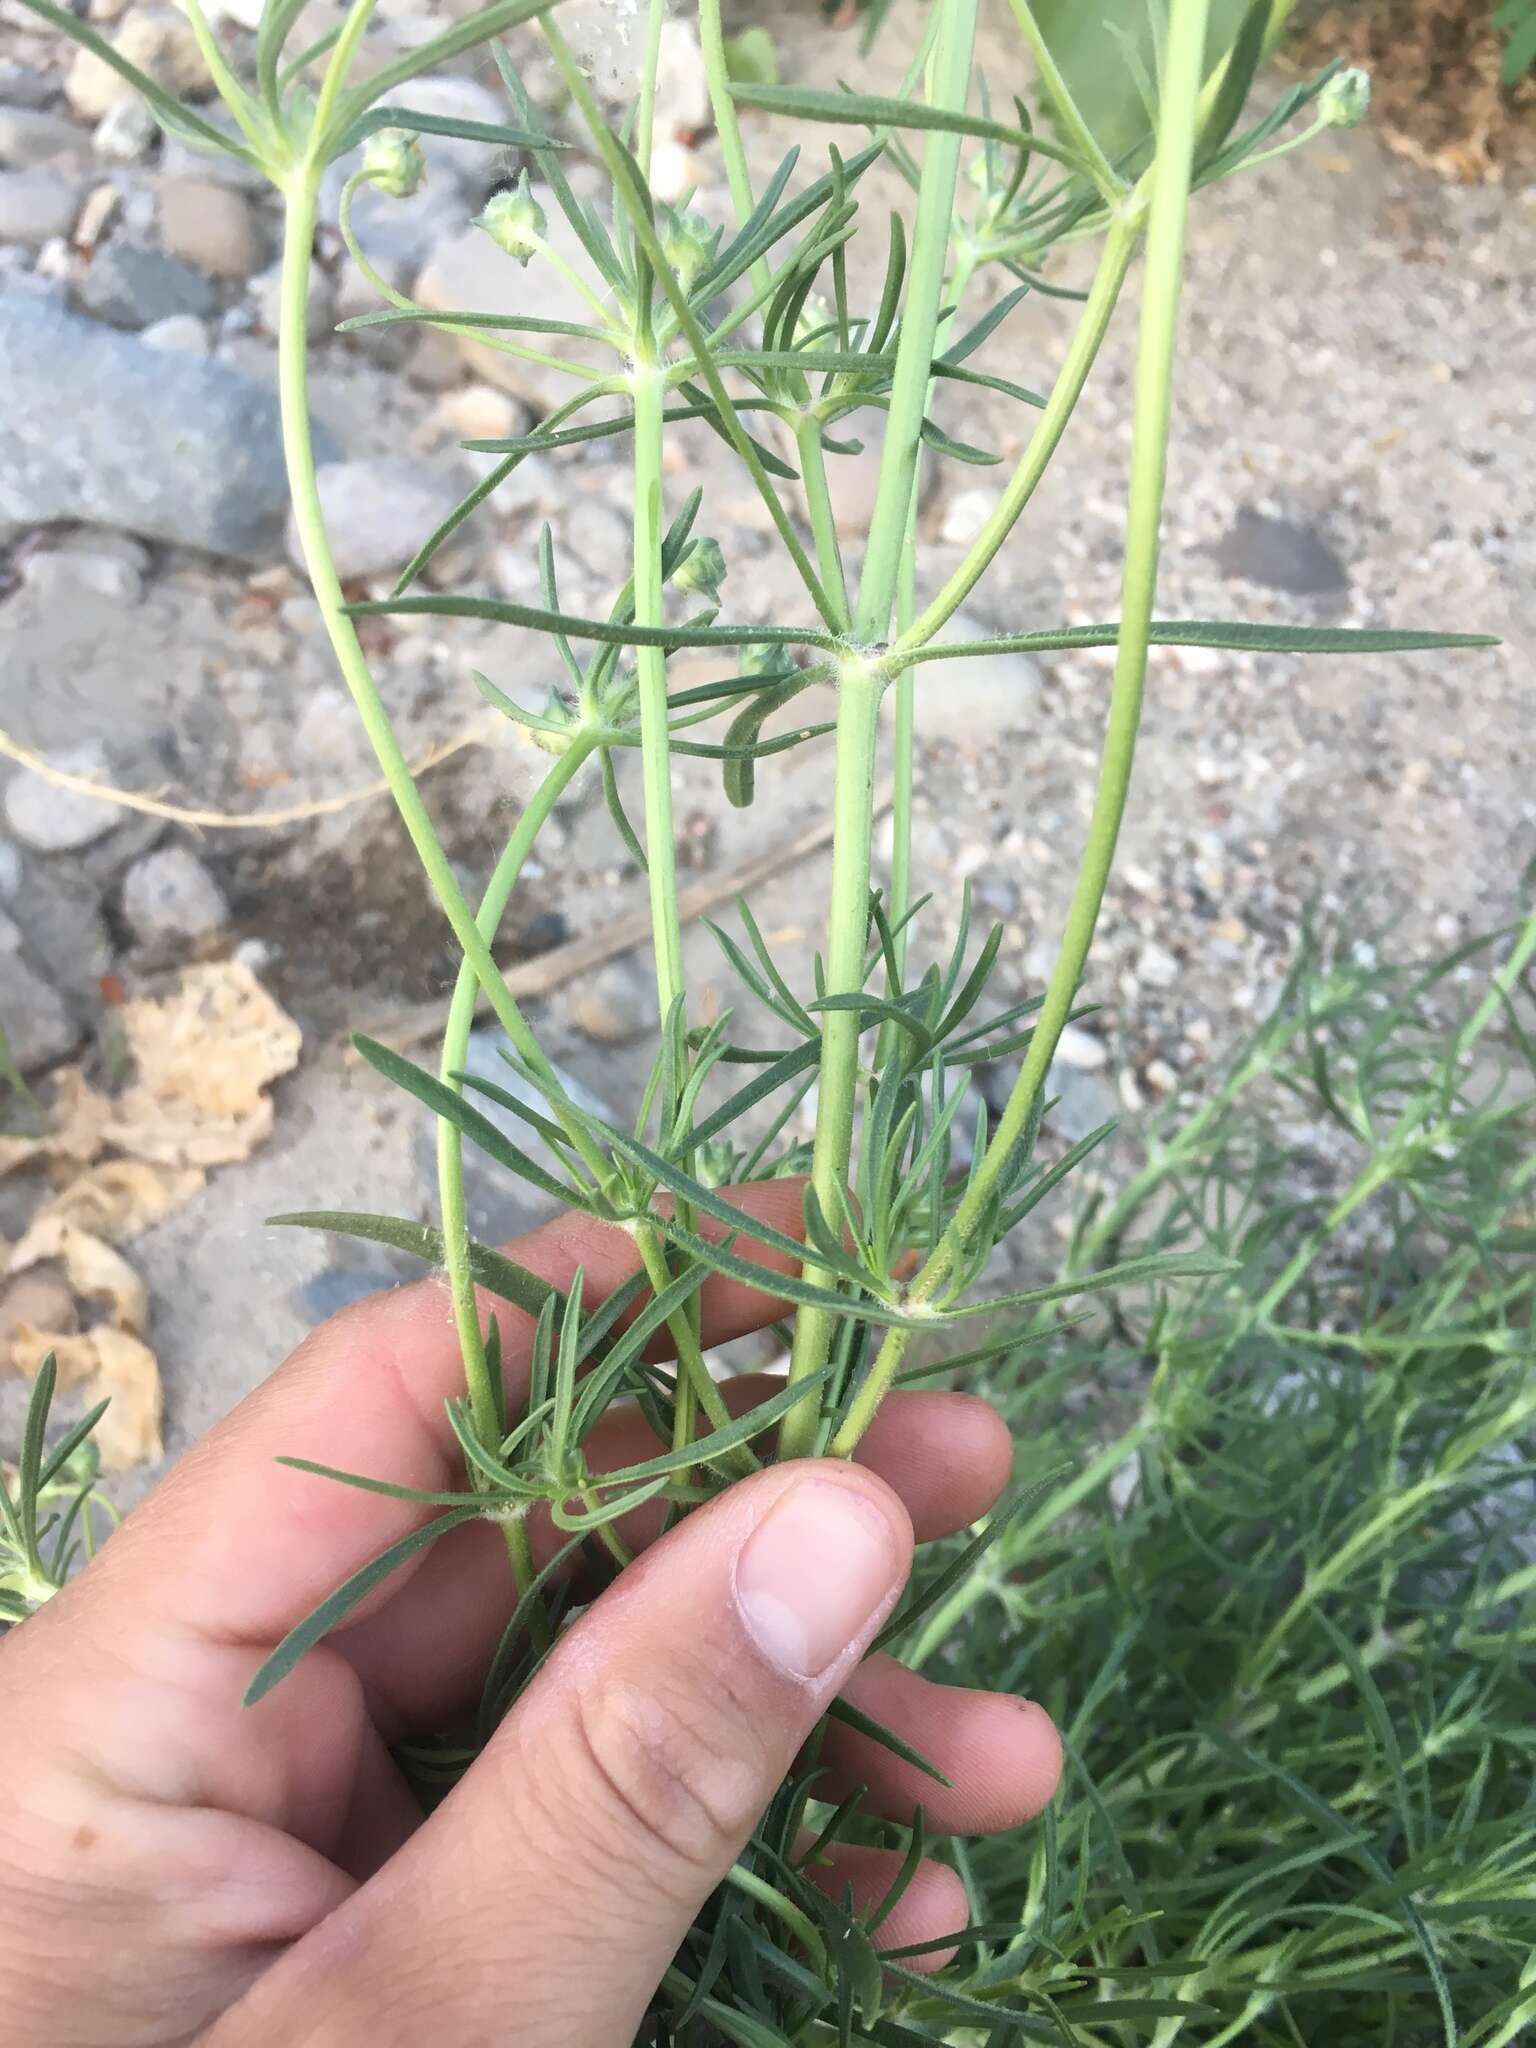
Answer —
813 1574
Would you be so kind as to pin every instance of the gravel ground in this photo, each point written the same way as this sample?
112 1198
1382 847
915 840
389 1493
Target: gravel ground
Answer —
1351 445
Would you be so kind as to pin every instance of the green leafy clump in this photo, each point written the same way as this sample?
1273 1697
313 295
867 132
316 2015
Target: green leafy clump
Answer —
1285 1601
756 329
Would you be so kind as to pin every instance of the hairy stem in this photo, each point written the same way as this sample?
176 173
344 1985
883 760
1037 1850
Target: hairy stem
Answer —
723 107
818 504
860 690
1169 179
298 452
1103 172
905 736
645 116
483 1396
651 670
1098 310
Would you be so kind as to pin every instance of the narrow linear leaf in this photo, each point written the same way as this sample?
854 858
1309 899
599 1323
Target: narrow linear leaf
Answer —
872 110
340 1604
705 1449
491 1269
447 1103
865 1724
503 612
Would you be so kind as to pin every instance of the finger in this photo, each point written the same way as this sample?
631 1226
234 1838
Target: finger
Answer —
1002 1755
234 1549
618 1793
932 1905
423 1657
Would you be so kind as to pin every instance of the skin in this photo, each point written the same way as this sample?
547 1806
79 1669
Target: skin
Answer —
175 1868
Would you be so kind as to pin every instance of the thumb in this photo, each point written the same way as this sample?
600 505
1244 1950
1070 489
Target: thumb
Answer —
545 1898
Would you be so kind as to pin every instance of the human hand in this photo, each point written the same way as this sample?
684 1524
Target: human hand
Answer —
175 1867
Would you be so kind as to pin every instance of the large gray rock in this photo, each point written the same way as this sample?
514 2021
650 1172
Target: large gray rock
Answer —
99 429
134 284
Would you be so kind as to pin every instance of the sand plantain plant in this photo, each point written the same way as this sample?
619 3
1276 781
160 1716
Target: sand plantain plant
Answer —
754 332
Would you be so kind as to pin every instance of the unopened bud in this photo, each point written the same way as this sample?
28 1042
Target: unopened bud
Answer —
701 571
393 163
1345 100
514 220
770 659
688 243
557 727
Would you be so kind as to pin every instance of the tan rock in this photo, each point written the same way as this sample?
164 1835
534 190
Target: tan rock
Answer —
212 226
159 40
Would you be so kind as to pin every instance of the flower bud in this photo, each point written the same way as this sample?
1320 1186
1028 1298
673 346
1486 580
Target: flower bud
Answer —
83 1465
1345 100
701 571
558 725
393 163
514 220
688 242
770 659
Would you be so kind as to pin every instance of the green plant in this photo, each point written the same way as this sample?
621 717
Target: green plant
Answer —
1285 1599
755 334
1516 19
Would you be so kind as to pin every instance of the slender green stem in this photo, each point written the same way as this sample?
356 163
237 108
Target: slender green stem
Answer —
858 720
341 62
1169 181
483 1396
919 327
905 735
250 116
578 284
298 451
1505 1426
480 965
1103 172
645 120
818 504
723 107
646 240
651 671
1098 309
380 283
693 1369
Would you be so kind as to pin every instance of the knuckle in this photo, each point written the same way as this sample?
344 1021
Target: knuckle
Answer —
677 1761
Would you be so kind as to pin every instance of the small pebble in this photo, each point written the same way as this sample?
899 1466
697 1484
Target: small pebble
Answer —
1080 1049
181 334
1157 967
170 897
41 1297
616 1004
965 516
